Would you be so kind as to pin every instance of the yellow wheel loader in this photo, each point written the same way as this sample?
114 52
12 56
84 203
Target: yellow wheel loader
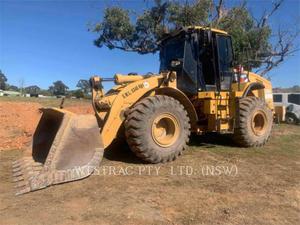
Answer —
197 90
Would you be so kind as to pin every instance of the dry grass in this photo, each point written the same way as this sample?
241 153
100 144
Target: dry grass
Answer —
264 188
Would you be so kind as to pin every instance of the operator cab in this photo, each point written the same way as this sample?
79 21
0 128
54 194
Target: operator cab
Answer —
202 58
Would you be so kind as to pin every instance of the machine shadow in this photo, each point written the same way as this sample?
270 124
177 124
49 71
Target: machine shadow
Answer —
211 140
120 151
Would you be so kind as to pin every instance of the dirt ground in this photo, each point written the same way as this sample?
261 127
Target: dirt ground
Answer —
214 182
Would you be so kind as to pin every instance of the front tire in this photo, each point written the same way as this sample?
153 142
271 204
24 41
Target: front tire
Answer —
254 122
157 129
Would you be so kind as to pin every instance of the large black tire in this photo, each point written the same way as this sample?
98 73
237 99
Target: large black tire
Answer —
290 118
142 120
254 122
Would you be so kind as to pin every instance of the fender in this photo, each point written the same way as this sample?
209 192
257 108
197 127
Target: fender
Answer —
119 102
183 99
253 86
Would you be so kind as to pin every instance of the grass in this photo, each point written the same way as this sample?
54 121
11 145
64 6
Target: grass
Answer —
284 142
265 190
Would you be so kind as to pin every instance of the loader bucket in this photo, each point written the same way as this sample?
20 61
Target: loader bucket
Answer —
65 147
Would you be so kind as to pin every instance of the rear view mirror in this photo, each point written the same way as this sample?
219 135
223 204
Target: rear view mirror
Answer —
175 64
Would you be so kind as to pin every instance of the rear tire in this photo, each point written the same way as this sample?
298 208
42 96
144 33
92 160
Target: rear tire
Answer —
157 129
254 122
290 119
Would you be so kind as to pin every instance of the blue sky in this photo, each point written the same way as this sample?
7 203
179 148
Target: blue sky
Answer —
45 41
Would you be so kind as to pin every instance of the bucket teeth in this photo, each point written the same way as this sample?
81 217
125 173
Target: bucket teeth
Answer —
17 174
15 165
20 163
20 178
17 169
24 171
16 162
23 191
21 184
25 159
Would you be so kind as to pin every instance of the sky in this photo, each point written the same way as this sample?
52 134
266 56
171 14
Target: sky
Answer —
42 41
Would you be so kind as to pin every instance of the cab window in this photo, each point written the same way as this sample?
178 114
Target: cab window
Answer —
225 61
277 98
294 98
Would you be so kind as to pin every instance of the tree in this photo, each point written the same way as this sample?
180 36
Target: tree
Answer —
295 88
3 80
33 89
78 93
58 88
51 89
45 92
13 88
84 85
255 44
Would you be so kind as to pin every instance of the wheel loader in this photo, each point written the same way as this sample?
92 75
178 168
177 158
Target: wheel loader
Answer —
197 90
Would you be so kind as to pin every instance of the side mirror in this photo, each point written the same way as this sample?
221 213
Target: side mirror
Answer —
175 64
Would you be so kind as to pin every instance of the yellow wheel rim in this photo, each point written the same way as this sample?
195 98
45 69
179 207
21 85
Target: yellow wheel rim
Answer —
165 130
259 123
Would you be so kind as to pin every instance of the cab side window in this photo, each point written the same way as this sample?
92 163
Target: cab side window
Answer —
294 98
277 98
225 57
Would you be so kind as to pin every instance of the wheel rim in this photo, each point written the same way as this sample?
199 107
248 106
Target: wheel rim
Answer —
165 130
259 123
290 120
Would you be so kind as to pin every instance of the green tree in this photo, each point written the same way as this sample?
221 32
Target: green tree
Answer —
251 36
13 88
3 80
33 90
45 92
84 85
78 93
58 88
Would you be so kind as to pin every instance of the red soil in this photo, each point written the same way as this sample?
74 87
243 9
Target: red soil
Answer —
18 121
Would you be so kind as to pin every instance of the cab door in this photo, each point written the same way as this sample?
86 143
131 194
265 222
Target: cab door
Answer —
224 62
